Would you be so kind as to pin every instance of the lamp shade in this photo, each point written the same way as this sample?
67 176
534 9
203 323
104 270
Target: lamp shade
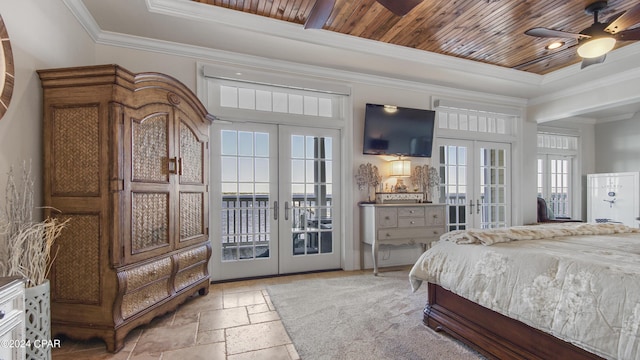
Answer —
595 47
400 168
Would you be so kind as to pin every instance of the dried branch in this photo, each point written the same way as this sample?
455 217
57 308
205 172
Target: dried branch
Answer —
26 245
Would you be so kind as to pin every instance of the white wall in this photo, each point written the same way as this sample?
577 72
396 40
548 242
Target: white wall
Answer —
618 146
43 34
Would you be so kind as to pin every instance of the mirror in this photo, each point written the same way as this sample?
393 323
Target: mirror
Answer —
6 69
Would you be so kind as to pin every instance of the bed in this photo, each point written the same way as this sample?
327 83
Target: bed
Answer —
559 291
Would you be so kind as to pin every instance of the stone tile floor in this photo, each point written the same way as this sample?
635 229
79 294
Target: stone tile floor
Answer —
235 321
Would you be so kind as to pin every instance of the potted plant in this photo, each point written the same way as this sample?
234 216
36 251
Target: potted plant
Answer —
25 251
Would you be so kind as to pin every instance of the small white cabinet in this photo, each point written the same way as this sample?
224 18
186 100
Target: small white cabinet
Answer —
400 224
12 332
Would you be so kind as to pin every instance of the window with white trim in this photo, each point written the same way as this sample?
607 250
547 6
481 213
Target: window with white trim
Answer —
278 100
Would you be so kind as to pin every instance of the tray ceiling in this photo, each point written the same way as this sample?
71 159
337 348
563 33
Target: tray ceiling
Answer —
487 31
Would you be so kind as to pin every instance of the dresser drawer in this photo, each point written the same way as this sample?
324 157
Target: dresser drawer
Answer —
391 234
411 222
387 218
411 211
435 217
431 234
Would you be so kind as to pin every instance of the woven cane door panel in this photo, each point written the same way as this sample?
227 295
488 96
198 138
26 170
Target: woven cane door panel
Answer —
76 151
76 270
149 221
150 149
191 215
191 156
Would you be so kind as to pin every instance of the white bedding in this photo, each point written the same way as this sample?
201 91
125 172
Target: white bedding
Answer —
584 289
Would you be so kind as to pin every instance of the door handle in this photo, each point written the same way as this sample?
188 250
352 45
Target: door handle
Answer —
471 206
478 208
173 165
275 210
286 210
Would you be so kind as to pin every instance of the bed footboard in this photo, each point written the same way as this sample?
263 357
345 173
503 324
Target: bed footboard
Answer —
492 334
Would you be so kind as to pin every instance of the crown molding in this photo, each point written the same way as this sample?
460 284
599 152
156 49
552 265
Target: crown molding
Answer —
256 62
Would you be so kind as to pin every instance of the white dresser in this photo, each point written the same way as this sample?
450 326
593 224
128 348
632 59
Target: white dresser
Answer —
400 224
12 333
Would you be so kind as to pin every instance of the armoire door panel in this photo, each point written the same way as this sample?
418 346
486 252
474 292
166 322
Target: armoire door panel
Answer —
150 222
150 157
191 164
193 203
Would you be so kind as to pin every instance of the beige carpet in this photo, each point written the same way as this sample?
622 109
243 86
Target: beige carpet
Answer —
361 317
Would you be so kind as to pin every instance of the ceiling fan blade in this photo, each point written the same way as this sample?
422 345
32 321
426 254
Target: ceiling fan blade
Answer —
319 14
629 18
592 61
626 35
550 33
399 7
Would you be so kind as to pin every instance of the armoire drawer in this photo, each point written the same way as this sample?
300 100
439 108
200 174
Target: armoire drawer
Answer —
144 298
190 276
147 273
190 257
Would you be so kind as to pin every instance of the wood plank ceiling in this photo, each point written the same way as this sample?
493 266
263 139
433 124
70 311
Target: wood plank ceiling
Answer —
488 31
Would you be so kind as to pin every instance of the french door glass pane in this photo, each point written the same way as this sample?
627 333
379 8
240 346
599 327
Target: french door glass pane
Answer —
493 188
245 229
311 190
453 188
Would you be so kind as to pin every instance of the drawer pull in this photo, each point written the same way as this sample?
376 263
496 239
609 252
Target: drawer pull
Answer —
413 222
2 314
387 218
435 233
411 211
388 235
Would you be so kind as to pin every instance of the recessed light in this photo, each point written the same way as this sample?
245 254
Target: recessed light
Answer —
554 45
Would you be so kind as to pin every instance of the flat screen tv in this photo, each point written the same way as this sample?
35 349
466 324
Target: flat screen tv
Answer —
398 131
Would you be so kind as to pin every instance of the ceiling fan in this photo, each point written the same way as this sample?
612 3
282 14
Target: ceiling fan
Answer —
598 39
321 10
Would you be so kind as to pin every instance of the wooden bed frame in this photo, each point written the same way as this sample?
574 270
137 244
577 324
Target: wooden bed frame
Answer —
492 334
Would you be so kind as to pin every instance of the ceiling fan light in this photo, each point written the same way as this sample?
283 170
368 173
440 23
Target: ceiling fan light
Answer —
596 47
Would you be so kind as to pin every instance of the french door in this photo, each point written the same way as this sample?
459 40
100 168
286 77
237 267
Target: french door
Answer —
276 200
555 182
475 183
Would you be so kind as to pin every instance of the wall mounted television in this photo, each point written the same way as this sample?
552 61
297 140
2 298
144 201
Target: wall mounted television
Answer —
390 130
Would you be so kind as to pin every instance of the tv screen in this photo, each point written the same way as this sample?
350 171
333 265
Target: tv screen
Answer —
398 131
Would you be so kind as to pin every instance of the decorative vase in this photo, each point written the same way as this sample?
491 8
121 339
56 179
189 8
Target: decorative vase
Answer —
38 321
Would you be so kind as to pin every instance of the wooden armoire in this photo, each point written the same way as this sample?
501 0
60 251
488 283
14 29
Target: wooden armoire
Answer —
126 160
